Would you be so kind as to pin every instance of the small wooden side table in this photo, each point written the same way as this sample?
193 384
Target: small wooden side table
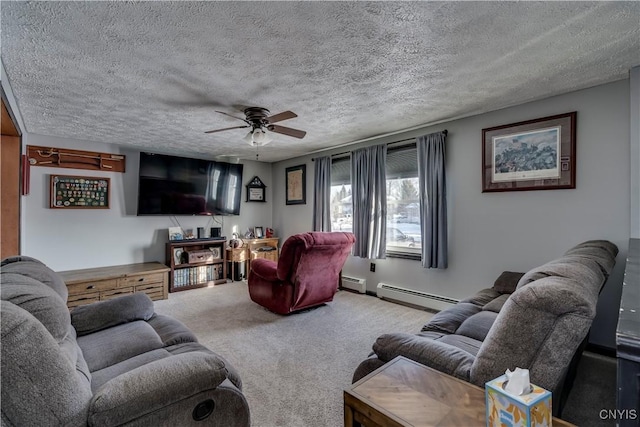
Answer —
406 393
250 251
240 255
254 246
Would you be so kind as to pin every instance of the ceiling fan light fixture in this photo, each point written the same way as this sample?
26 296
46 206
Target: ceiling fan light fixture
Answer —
260 137
249 138
262 127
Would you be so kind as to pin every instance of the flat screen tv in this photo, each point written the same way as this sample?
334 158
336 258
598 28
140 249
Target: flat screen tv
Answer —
170 185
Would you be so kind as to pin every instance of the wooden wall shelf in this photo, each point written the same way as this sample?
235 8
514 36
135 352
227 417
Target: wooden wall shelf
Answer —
75 159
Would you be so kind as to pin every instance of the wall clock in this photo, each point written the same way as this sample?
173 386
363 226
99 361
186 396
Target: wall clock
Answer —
256 190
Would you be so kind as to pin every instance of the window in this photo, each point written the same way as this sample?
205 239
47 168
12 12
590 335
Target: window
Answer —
341 208
403 203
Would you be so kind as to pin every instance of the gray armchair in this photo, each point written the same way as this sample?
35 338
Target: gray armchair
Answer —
109 363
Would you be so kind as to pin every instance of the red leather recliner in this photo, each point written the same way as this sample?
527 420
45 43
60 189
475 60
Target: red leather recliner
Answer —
305 275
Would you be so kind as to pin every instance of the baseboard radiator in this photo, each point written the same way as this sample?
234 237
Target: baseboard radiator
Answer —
410 296
355 284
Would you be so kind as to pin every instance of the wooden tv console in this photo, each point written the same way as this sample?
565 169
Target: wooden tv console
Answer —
98 284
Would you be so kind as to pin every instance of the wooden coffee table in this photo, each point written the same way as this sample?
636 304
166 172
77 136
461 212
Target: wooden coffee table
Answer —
406 393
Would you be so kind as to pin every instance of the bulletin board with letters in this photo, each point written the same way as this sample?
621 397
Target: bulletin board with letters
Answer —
79 192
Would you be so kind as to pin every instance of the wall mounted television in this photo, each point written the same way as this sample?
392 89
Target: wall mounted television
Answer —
171 185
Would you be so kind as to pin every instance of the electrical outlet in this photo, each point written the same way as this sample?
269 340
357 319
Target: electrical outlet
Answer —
372 267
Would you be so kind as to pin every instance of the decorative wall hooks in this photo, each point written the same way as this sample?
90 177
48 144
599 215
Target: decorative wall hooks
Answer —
75 159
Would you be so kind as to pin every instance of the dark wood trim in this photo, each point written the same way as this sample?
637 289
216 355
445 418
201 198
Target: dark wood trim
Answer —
10 195
8 126
10 175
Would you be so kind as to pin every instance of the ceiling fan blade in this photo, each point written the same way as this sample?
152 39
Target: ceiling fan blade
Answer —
220 130
285 115
287 131
227 114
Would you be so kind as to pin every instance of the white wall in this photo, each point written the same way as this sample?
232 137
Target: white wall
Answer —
82 238
493 232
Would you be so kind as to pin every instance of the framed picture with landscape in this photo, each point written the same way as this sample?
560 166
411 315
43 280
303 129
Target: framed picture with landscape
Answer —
533 155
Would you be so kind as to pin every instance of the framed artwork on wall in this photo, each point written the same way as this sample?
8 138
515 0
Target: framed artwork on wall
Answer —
533 155
256 190
79 192
296 185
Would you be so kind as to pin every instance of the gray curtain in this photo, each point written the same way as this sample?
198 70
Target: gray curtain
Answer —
433 199
369 199
322 194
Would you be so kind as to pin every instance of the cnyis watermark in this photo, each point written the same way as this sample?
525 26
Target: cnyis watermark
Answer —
618 414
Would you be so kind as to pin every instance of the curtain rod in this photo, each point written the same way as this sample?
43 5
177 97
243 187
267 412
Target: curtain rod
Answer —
444 132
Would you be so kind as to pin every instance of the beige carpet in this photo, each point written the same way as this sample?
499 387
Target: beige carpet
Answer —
294 368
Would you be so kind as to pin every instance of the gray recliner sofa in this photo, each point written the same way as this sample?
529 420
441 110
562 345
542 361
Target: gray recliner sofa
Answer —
537 320
111 363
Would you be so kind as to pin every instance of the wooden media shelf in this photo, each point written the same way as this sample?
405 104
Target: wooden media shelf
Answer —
196 263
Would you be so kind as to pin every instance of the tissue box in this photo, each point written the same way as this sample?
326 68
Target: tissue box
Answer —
528 410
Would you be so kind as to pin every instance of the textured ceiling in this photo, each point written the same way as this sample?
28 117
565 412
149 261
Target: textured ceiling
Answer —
150 75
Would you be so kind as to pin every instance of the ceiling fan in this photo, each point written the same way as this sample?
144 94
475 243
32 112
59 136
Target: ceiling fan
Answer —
261 124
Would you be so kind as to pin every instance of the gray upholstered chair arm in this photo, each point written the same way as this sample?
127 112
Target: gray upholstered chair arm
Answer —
154 387
438 355
105 314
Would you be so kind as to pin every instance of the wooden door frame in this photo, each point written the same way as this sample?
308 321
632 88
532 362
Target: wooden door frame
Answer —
10 173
